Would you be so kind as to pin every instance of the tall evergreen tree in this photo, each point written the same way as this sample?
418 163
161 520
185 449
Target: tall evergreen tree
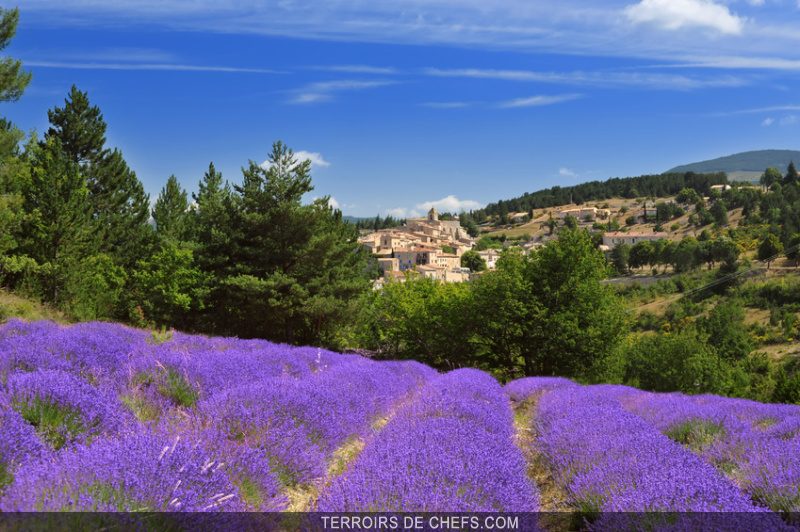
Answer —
292 270
170 210
210 226
118 203
57 214
14 173
792 177
13 80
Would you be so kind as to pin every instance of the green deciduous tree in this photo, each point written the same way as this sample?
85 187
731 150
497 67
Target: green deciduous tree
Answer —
770 176
677 361
688 196
470 259
620 257
769 248
725 329
423 319
168 287
641 254
720 212
578 320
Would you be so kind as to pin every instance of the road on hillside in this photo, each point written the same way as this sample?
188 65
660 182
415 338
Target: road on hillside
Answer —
643 280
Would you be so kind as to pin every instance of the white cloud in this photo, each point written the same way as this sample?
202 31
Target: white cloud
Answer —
402 212
767 122
789 120
566 172
315 157
449 204
679 14
302 155
324 90
536 101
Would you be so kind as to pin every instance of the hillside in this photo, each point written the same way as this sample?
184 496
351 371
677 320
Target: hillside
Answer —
103 418
745 166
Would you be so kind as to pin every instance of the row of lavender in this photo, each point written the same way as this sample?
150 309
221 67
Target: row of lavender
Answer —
450 449
757 445
102 417
614 448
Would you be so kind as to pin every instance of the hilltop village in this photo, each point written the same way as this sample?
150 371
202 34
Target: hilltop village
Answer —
433 248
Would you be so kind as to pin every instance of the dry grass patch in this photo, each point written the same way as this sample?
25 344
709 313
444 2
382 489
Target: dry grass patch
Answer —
16 306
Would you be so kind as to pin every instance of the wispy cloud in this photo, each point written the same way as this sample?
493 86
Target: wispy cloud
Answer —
141 66
767 121
537 101
448 105
644 79
789 120
680 14
566 172
358 69
324 91
773 109
740 62
582 27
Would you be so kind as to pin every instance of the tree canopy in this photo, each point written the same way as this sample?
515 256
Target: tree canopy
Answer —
13 80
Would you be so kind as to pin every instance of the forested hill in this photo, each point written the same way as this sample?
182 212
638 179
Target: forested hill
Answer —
660 185
748 161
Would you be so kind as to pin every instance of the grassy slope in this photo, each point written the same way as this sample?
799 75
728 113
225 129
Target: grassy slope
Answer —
13 305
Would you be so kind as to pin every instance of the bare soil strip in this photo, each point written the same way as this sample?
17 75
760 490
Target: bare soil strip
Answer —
557 514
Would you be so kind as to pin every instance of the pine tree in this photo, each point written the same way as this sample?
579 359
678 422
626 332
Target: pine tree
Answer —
118 203
210 221
13 80
57 214
170 210
792 177
291 271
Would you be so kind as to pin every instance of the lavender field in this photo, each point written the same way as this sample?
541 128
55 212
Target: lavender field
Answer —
100 417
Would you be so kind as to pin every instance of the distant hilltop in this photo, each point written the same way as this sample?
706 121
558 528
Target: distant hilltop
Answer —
745 166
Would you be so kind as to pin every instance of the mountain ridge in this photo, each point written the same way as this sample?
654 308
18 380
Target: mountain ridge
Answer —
743 162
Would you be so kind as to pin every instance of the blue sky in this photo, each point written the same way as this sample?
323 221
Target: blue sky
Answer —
404 105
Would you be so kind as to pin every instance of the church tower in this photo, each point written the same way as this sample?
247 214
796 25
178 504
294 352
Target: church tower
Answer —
433 216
